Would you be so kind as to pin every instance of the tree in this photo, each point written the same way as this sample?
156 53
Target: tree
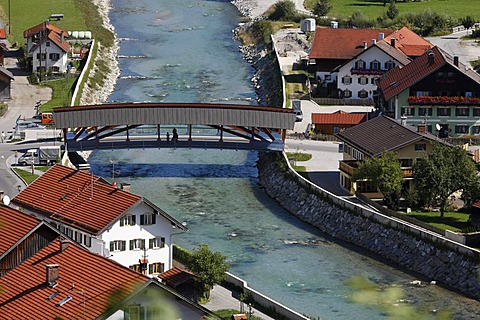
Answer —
445 170
392 11
284 10
468 22
208 266
385 174
323 7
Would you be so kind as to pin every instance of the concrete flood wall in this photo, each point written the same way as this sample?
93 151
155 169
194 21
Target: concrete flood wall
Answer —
418 250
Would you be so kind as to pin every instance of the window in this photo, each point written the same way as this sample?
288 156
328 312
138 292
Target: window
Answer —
43 56
47 44
362 94
406 163
423 93
69 232
137 267
79 237
328 77
461 129
347 93
375 65
117 245
87 241
476 129
54 56
135 312
425 111
407 111
443 112
156 243
476 112
389 65
461 112
360 64
363 80
420 146
346 80
147 218
155 268
128 220
137 244
469 94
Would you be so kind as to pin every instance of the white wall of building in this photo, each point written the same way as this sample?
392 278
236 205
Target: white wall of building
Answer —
51 51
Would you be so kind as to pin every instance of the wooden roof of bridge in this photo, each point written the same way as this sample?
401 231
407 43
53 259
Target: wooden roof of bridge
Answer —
172 114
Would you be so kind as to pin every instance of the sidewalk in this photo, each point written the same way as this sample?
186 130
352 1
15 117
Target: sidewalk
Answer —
223 298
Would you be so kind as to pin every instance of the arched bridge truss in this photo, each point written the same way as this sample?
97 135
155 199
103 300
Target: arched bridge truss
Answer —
152 125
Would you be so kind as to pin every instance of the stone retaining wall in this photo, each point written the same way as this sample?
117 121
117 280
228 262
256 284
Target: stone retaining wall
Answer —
389 239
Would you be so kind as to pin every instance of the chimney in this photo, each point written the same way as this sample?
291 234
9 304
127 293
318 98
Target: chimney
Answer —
381 36
52 275
373 42
421 128
364 44
403 121
126 187
64 244
392 42
455 61
431 57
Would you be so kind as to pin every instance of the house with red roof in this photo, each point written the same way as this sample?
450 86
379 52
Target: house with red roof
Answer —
64 280
47 47
22 235
331 123
437 89
110 221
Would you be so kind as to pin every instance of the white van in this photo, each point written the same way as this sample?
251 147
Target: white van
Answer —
297 109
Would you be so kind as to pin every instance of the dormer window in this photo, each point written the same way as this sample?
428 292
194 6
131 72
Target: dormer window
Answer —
127 220
360 64
375 65
147 218
389 65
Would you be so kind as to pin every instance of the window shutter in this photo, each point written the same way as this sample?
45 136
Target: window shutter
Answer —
133 219
111 245
131 244
150 268
124 244
343 80
142 219
143 243
150 243
162 244
122 222
154 218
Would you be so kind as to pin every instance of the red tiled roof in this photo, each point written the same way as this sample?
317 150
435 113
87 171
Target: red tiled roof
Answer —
76 198
339 117
41 27
61 43
14 225
341 43
176 276
409 42
398 79
3 34
95 283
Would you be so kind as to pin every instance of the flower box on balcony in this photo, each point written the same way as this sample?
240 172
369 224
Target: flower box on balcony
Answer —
366 71
443 100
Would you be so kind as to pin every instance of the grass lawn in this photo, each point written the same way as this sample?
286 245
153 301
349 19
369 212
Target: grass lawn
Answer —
375 8
61 95
26 175
227 314
299 156
453 221
25 14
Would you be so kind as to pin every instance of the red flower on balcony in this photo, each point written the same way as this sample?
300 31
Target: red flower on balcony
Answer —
443 100
367 71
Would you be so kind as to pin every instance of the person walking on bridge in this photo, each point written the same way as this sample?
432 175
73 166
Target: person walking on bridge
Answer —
174 135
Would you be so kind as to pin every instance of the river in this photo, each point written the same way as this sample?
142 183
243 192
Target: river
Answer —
182 51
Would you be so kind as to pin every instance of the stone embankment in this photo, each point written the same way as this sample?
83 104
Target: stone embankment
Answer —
430 260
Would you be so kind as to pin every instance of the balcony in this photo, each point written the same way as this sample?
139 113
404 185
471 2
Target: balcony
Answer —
443 100
367 71
349 167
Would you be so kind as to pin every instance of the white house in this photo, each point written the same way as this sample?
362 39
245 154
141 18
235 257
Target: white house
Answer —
357 78
47 47
107 220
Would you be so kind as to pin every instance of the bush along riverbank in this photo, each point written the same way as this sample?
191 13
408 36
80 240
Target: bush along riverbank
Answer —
431 260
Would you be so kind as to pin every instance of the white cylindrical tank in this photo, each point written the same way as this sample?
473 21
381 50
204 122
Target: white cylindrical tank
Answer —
334 24
75 34
307 25
88 35
81 34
